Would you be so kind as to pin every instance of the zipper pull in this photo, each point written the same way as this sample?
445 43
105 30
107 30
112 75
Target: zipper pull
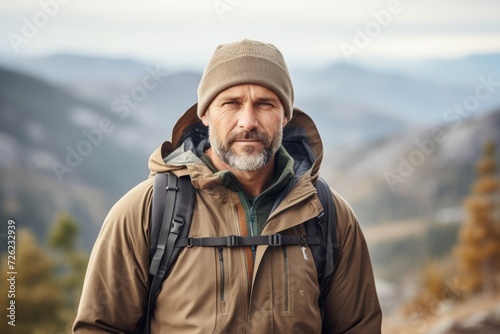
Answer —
221 259
304 252
251 215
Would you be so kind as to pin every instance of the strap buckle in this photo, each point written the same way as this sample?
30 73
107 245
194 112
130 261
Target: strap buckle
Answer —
233 240
176 225
275 240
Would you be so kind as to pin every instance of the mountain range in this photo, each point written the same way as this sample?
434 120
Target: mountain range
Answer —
370 121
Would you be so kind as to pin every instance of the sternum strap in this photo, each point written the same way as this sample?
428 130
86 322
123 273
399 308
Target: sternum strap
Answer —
238 241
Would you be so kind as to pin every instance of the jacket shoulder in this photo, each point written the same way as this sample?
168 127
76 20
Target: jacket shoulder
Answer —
344 209
128 219
135 203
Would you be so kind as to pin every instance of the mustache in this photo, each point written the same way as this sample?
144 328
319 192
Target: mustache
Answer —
253 134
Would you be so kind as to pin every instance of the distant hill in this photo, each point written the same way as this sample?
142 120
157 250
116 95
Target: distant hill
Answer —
458 72
415 101
71 68
410 174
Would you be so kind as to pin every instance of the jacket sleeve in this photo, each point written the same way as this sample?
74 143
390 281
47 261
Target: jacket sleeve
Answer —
351 302
115 289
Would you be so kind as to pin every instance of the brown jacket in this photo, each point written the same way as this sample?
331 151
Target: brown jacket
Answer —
206 295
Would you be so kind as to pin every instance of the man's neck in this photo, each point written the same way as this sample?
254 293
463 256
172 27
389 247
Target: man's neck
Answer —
253 182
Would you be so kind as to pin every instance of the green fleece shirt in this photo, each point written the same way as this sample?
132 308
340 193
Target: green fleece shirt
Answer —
258 209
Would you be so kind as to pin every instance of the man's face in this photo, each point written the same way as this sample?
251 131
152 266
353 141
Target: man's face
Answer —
245 126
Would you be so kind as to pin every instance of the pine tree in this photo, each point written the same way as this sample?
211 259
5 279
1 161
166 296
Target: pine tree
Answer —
37 296
479 238
71 264
64 233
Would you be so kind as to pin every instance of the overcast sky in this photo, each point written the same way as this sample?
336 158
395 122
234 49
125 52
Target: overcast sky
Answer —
310 33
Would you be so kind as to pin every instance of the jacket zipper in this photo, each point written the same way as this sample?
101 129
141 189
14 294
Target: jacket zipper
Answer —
222 274
285 260
252 231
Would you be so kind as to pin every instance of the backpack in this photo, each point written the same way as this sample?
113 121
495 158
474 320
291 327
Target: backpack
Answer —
171 214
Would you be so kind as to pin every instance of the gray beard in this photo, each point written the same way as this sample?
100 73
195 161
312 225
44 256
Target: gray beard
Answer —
249 160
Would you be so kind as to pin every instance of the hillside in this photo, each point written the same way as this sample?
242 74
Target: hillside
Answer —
381 178
39 125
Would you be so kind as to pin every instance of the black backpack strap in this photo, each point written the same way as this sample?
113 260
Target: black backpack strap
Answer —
328 224
171 214
326 254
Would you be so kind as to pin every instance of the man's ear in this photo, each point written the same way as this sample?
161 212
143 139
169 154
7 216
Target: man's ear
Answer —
285 121
204 119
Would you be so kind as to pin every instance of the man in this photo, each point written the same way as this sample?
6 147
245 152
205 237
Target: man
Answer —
246 184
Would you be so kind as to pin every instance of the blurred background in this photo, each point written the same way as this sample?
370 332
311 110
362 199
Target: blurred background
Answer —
405 94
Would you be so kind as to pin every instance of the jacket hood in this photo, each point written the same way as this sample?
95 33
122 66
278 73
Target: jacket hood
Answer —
300 138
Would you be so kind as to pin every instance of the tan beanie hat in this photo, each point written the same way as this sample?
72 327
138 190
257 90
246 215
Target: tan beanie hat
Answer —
246 62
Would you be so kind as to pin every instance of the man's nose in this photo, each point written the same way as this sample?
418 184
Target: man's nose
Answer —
247 117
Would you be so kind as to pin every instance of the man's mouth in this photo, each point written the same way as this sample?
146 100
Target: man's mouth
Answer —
247 140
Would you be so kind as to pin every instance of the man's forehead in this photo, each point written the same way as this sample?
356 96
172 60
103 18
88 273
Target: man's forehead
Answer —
239 90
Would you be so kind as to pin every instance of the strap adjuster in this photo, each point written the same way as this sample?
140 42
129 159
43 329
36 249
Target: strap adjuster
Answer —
275 240
321 217
233 240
